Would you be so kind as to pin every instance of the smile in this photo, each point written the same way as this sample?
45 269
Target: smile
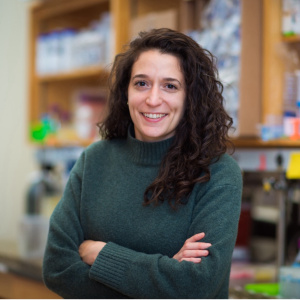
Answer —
154 116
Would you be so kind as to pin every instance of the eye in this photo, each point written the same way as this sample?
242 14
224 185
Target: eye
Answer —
171 86
140 83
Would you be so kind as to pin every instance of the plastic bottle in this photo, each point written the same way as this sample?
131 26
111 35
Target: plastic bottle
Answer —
287 18
53 52
45 185
41 48
33 227
66 40
296 262
297 86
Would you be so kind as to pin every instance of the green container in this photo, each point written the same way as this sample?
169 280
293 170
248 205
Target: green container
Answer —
269 289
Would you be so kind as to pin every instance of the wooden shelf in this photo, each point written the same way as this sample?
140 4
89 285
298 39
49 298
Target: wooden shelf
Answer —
89 72
291 39
57 89
258 143
49 8
55 142
238 143
60 144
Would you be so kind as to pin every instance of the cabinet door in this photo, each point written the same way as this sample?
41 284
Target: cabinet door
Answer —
251 68
273 67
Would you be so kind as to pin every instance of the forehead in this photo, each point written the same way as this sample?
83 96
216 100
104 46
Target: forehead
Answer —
154 60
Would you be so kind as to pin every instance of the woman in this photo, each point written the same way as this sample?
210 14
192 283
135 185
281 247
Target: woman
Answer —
152 210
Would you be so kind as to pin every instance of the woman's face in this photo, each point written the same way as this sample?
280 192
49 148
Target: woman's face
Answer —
156 96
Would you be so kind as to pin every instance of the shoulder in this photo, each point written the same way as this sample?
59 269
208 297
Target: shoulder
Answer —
224 186
226 171
98 153
102 145
103 148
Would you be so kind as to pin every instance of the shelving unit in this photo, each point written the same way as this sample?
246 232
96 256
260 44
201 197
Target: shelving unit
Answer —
258 143
261 69
46 90
291 39
272 71
89 72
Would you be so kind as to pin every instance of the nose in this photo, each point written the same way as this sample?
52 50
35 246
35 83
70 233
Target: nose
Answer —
154 97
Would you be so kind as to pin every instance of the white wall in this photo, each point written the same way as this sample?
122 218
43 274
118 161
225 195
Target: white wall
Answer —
16 154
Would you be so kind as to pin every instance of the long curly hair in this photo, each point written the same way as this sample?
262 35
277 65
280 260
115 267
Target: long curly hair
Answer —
201 137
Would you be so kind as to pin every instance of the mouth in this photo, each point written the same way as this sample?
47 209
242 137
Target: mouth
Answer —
154 116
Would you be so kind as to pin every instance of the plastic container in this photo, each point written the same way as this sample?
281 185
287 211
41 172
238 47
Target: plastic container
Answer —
267 289
288 123
296 262
289 283
66 49
33 232
297 74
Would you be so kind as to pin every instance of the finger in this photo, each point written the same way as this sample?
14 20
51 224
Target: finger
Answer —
194 253
196 246
192 259
196 237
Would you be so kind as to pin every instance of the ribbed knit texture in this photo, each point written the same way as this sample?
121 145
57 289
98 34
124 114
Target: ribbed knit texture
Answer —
115 257
145 153
103 201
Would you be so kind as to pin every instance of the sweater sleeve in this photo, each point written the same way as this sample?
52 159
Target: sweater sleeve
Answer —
140 275
63 270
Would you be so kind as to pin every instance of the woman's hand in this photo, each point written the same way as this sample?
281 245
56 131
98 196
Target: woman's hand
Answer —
89 250
192 249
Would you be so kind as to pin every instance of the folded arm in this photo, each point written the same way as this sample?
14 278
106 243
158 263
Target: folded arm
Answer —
141 275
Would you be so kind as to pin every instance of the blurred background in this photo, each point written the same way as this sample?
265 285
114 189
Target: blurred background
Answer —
17 154
55 56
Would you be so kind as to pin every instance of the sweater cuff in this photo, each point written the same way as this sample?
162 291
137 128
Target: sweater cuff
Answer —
111 264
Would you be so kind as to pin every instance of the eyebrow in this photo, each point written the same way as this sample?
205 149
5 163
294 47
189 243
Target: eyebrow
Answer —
166 78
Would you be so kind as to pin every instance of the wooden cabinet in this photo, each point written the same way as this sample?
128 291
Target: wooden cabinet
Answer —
270 72
261 69
53 89
56 89
273 68
273 63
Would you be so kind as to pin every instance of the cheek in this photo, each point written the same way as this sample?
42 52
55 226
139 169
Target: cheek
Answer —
132 105
135 101
131 96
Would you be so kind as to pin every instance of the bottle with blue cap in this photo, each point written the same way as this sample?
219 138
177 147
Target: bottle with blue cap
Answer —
296 262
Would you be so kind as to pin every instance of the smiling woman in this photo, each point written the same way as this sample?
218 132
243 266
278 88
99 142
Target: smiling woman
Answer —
152 210
156 96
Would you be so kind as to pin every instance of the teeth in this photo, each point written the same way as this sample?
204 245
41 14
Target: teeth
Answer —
154 116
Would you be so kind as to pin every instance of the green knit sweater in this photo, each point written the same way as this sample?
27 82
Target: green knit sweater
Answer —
103 201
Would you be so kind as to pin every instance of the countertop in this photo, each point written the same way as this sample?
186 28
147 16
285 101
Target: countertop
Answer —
11 261
21 278
245 273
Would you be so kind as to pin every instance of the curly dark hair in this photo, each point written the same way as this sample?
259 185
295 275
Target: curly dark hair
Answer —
201 137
